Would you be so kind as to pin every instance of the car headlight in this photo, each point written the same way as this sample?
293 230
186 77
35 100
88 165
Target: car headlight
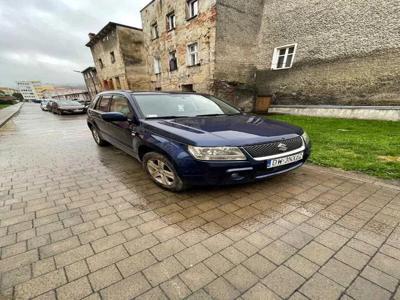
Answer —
306 138
216 153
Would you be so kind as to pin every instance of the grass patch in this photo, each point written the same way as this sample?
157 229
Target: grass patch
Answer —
4 105
371 147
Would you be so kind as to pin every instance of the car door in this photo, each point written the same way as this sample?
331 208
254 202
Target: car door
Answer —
102 106
123 131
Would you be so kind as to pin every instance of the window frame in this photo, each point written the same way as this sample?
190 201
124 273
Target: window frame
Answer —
112 56
189 55
109 97
169 23
189 14
101 63
131 114
276 56
170 53
157 61
155 34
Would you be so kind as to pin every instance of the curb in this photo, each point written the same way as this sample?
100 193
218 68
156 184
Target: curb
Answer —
12 113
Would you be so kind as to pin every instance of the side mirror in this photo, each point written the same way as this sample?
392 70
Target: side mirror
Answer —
114 117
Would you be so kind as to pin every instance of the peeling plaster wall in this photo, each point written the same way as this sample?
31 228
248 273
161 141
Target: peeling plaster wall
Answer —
129 65
101 50
348 52
131 45
200 29
238 27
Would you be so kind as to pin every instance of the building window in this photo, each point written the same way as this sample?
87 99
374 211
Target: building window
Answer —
192 8
112 55
283 57
101 63
187 88
157 65
193 54
171 21
154 31
117 83
173 62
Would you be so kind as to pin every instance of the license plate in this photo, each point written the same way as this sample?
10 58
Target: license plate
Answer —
273 163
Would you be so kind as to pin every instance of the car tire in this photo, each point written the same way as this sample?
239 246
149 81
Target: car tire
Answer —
97 137
162 172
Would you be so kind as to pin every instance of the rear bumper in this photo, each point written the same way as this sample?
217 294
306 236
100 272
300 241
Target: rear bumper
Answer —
214 173
72 111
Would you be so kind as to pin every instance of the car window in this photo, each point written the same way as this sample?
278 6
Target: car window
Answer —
120 104
103 104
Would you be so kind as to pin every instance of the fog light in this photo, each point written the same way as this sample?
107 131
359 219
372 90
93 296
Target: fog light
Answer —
236 176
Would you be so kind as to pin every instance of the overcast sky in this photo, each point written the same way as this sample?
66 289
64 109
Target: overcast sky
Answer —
45 39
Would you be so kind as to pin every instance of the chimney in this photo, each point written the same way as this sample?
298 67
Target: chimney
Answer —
91 35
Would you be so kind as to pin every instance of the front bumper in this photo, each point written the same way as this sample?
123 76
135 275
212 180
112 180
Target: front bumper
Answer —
202 173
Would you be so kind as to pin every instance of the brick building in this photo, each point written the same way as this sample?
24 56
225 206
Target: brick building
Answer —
197 45
299 52
118 54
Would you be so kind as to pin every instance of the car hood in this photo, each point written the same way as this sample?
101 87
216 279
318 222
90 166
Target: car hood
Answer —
238 130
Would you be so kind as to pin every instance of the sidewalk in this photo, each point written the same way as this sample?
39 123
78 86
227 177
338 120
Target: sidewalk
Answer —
8 112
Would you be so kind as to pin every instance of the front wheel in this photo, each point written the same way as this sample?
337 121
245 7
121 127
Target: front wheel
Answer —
97 138
162 172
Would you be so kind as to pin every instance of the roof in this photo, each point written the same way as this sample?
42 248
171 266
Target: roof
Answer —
147 5
106 29
149 92
89 69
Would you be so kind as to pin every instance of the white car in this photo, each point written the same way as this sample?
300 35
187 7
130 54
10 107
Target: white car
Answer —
43 105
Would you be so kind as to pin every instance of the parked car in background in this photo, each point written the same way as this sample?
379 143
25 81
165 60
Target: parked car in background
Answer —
187 139
43 105
49 105
85 103
67 107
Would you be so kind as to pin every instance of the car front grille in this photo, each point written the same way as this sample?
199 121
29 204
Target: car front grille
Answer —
269 149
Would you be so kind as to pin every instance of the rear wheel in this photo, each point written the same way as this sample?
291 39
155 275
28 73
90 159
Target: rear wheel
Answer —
97 138
162 172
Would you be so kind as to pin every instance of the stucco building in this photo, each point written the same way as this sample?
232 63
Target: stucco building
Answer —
29 91
200 45
297 52
118 54
346 52
92 81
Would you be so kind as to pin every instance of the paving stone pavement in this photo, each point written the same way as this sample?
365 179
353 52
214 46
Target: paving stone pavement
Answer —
78 221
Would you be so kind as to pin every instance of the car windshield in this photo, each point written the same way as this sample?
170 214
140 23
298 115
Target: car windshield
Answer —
182 105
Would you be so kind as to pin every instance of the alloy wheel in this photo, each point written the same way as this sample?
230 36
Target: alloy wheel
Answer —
96 136
160 172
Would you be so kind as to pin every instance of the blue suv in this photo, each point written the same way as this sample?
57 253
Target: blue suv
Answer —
188 139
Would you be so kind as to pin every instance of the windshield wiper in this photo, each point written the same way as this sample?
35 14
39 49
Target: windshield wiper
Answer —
166 117
210 115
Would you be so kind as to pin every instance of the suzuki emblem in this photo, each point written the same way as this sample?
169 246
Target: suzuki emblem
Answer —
282 147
